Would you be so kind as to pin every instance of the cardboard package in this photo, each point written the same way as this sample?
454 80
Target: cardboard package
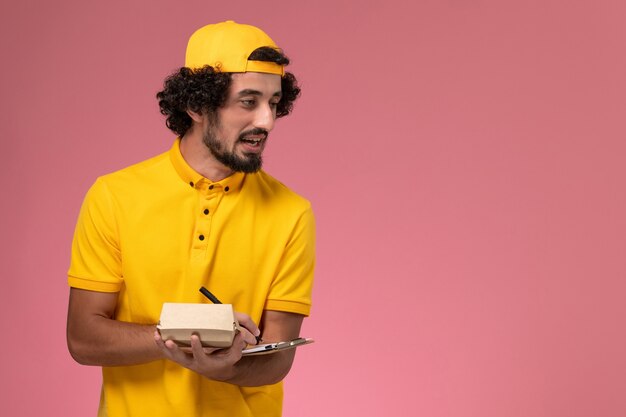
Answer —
214 323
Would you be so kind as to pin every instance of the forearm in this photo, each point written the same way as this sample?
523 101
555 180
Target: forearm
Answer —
271 368
94 337
259 370
108 342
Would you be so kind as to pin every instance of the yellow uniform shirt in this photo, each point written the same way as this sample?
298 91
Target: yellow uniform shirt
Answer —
156 232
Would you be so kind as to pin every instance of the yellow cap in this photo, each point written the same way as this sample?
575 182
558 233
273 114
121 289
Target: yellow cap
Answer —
226 47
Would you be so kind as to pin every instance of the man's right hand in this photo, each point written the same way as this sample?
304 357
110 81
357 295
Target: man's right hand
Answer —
248 328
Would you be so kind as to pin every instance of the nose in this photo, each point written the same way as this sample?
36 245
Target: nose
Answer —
265 117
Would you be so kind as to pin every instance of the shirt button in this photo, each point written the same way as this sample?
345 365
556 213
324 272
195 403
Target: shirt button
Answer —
201 237
206 211
191 183
226 189
211 187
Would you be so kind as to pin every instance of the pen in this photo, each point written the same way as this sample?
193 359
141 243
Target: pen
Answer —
210 296
214 300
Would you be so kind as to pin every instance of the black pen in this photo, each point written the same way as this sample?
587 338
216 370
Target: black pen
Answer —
210 296
214 300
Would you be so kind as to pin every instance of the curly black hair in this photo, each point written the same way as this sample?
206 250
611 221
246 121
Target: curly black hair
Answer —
205 90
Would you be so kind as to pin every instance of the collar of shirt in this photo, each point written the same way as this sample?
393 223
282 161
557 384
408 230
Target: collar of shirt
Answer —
229 185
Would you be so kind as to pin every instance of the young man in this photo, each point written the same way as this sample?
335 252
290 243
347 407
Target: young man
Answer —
201 214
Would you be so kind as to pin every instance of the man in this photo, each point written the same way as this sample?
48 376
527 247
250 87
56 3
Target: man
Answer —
202 214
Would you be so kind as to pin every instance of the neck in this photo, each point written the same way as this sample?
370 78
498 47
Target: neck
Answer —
198 156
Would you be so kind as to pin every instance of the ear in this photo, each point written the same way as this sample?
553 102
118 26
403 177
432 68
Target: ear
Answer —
196 117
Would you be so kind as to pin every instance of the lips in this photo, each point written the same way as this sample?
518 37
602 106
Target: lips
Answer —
253 140
252 144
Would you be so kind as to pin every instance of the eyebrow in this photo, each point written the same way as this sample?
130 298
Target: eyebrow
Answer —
251 92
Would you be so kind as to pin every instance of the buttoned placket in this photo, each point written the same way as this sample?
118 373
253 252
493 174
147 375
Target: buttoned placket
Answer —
209 197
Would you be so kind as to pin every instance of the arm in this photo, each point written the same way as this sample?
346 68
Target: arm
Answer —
277 326
247 371
94 337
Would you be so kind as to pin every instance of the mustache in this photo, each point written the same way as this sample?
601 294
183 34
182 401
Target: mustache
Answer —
256 131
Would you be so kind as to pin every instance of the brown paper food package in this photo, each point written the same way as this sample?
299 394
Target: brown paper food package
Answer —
214 323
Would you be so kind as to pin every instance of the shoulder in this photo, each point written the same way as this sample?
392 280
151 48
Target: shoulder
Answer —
152 168
134 186
137 180
267 190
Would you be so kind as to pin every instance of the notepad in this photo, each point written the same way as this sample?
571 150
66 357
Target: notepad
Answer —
275 347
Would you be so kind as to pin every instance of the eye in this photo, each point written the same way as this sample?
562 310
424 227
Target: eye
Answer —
248 102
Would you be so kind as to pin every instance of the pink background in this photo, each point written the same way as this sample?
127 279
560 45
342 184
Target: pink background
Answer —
465 159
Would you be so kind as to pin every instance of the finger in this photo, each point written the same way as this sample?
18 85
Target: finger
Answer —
175 354
196 347
246 322
247 336
239 344
233 353
160 342
207 350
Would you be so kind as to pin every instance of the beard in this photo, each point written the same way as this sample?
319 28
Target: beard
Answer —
248 163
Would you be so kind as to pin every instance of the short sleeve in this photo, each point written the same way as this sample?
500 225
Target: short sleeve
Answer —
291 289
96 258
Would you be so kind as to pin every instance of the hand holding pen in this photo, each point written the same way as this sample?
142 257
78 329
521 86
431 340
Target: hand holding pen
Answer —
242 318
